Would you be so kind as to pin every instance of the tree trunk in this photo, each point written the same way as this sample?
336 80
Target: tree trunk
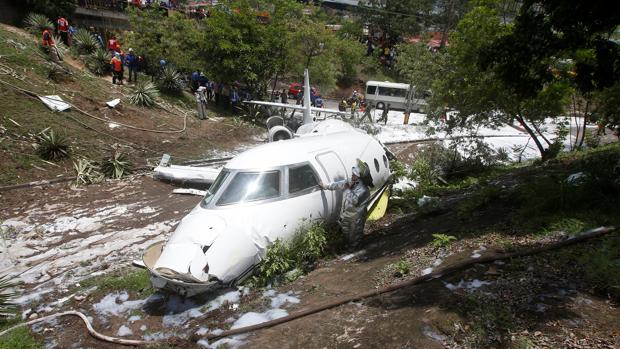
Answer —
585 118
543 153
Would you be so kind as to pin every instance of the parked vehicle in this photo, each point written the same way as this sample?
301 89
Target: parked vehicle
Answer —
398 95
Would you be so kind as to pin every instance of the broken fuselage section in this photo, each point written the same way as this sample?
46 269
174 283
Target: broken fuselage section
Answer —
263 194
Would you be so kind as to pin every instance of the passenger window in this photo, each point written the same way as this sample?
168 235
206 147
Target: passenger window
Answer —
251 186
370 90
377 165
301 178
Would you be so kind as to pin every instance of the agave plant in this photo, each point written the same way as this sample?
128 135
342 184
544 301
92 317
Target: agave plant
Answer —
98 62
87 171
116 166
6 295
85 42
170 80
36 23
52 146
144 94
60 49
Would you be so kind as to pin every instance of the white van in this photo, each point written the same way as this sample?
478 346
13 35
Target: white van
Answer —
397 95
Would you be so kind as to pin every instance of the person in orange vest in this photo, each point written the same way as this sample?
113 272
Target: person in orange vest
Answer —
63 29
117 69
48 43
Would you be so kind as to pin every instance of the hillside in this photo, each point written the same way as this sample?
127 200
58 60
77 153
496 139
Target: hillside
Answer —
23 117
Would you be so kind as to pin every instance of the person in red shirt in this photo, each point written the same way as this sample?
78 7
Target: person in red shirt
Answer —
117 69
113 44
63 29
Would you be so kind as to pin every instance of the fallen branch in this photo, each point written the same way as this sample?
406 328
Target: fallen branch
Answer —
89 327
594 233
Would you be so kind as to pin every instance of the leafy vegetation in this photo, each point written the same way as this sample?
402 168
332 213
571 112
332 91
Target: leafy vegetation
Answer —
170 80
52 146
85 42
442 240
116 166
20 338
308 245
144 94
87 171
6 295
98 62
402 268
36 23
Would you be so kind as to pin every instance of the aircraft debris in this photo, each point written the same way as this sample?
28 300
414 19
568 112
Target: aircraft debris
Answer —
54 102
190 191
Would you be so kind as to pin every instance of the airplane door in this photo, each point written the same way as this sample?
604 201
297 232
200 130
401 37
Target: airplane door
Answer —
333 169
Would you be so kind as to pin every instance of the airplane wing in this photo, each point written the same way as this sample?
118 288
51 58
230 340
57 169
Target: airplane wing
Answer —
295 106
276 104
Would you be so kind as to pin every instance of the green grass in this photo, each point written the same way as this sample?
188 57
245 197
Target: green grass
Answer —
20 338
131 281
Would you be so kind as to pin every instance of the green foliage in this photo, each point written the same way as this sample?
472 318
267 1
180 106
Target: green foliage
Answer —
85 42
6 294
61 48
170 81
20 338
308 245
350 53
277 261
136 280
442 240
144 94
87 172
402 268
478 200
116 166
51 8
98 62
57 73
52 146
36 23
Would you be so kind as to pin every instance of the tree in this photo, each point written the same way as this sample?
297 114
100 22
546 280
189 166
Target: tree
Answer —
572 34
237 46
480 97
350 53
394 18
50 8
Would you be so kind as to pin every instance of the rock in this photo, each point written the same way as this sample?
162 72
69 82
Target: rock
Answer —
33 316
79 298
537 334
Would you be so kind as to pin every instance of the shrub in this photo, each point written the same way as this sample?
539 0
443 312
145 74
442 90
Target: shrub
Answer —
6 294
308 245
57 73
98 62
402 268
36 23
116 166
170 81
442 240
87 172
85 42
52 146
144 94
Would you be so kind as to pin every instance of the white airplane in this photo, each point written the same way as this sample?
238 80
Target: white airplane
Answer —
269 192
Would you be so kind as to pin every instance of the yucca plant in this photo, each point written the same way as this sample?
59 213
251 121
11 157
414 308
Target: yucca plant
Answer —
6 295
36 23
116 166
85 42
144 94
52 146
87 171
170 81
98 62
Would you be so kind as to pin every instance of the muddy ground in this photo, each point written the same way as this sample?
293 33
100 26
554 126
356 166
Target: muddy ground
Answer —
63 235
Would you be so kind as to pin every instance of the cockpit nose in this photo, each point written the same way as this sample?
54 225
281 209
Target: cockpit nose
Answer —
201 226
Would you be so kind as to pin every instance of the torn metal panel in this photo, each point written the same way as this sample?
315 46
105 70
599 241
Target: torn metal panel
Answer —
55 103
187 174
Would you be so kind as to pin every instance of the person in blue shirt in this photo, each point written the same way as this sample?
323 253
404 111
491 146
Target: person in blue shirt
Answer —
131 61
195 78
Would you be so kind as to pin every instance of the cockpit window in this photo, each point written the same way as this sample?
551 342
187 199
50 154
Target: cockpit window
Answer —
251 186
214 188
300 178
